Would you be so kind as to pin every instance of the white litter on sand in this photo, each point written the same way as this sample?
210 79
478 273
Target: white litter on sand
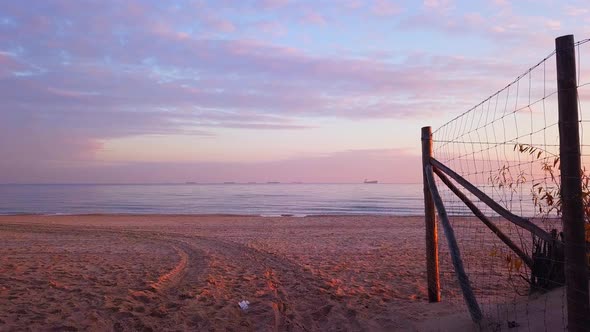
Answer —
244 304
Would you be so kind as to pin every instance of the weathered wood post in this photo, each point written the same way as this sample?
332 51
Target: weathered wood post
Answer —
576 270
455 253
432 270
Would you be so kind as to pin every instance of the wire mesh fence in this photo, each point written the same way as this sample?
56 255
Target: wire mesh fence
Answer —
583 76
508 146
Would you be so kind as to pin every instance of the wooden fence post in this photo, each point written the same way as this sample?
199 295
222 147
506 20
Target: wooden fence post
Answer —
432 269
576 269
455 253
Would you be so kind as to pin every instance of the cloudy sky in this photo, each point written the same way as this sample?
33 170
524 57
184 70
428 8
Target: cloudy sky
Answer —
251 90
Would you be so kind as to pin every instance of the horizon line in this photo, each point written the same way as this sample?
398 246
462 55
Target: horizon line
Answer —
188 183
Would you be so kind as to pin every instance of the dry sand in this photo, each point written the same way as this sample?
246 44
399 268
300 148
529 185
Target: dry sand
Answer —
104 272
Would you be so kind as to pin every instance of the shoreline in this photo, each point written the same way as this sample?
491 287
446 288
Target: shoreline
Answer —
286 215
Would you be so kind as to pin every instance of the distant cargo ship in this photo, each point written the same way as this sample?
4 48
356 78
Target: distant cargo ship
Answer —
273 182
190 182
371 181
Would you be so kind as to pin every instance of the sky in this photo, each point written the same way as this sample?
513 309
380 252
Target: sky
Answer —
153 91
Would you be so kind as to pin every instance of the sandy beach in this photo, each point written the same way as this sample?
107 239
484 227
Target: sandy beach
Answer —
156 273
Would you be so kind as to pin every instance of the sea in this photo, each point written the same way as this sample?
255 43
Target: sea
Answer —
265 199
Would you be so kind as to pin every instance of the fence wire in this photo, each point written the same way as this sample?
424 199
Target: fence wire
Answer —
508 146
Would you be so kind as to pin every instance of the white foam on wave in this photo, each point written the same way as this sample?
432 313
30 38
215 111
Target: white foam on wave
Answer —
284 215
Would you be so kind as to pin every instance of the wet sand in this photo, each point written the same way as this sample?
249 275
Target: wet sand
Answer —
111 273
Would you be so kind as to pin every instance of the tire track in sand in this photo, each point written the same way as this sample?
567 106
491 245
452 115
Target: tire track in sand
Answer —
283 295
174 276
154 306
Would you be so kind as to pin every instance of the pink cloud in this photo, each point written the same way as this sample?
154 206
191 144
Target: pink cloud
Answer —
502 27
273 4
353 4
552 24
70 93
314 18
501 3
218 24
473 19
385 8
8 65
343 166
438 4
273 28
576 11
